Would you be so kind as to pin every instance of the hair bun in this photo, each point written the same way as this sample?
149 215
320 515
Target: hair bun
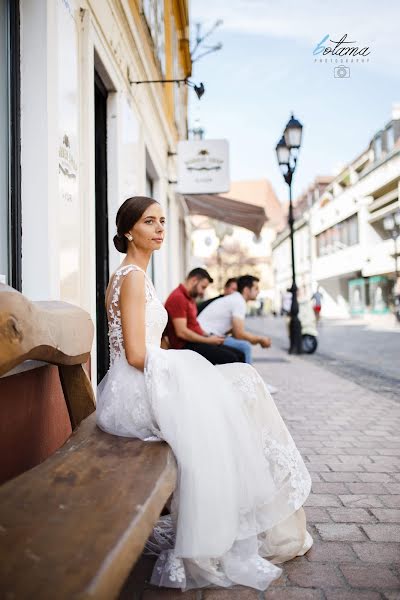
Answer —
121 243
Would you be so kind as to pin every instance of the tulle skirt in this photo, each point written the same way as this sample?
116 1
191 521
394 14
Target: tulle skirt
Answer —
237 509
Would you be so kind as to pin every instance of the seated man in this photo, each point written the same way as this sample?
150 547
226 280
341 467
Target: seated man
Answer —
183 328
227 314
229 287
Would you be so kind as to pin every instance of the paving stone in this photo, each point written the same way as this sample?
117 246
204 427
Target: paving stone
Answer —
392 501
361 500
292 593
319 468
387 515
350 468
317 515
356 460
351 515
340 532
375 577
376 552
352 595
238 593
336 476
393 488
365 488
314 575
328 487
382 532
331 552
372 477
378 468
322 500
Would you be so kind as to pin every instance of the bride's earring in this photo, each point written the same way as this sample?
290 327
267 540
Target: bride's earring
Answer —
130 238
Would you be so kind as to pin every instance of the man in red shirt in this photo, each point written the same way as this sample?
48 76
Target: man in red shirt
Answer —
183 328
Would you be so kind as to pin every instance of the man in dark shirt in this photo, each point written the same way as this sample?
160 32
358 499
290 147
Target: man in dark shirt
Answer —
229 287
184 330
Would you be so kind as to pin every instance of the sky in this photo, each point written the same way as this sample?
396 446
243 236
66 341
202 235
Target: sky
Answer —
266 70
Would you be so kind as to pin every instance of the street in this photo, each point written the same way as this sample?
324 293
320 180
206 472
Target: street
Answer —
348 434
368 354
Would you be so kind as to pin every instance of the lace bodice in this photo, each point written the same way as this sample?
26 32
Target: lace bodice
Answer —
156 316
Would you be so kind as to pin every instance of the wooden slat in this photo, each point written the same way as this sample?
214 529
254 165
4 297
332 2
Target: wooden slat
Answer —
73 526
56 332
78 393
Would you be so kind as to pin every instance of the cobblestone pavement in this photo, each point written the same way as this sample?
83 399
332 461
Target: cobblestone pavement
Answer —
365 352
350 439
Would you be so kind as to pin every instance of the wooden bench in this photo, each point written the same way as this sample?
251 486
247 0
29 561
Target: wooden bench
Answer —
74 525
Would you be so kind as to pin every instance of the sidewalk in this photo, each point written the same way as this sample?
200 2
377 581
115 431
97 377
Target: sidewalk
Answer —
350 440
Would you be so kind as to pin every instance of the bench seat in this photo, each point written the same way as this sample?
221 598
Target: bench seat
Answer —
73 526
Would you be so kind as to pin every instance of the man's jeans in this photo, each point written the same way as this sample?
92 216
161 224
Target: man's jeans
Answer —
242 345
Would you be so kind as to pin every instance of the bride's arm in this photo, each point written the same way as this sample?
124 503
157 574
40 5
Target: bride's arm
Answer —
132 306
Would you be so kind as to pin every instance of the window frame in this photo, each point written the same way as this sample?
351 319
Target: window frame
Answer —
14 198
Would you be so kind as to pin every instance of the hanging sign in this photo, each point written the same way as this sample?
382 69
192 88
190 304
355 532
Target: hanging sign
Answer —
203 166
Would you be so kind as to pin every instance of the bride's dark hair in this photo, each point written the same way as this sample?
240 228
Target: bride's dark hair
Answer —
128 214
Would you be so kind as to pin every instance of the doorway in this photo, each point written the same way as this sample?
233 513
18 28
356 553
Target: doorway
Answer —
101 211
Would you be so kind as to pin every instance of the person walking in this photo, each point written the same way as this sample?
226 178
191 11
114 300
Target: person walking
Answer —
184 330
317 303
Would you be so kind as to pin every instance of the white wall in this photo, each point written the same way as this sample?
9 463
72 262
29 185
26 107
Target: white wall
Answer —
62 41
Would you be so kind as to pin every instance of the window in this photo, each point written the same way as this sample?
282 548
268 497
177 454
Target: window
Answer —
153 11
10 200
338 237
377 147
389 138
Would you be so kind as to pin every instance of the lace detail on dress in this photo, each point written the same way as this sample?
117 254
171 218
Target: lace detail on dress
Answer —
156 316
286 463
172 568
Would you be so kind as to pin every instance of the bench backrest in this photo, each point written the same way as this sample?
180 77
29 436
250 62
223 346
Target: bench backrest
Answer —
56 332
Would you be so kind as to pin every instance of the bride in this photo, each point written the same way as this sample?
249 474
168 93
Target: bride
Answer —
237 509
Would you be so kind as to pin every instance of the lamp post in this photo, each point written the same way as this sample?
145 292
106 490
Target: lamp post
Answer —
287 151
392 223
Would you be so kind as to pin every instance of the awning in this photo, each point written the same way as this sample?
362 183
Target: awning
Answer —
230 211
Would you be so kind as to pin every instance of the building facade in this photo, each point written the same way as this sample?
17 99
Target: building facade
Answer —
351 254
303 245
82 136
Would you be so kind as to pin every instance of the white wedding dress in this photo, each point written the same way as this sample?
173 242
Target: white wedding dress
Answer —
237 509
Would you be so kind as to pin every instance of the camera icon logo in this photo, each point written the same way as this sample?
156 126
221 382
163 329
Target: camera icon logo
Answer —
341 72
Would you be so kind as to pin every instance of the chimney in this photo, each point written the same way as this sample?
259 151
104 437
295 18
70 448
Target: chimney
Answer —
396 111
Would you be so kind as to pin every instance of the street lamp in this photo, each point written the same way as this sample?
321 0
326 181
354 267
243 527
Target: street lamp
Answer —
392 223
287 151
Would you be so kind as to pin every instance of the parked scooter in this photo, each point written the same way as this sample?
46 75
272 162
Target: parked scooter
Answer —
309 331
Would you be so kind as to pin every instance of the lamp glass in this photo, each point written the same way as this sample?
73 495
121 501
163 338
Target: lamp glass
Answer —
292 133
388 223
397 218
282 152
